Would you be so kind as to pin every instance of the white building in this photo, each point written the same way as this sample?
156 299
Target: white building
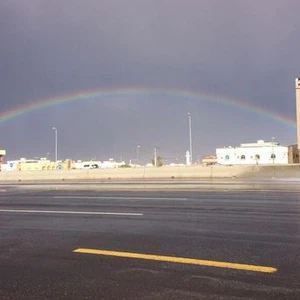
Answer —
188 158
11 165
91 164
262 153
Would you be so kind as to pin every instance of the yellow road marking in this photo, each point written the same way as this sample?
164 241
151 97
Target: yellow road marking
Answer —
179 260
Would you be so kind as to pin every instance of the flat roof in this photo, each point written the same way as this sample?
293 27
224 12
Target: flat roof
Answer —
249 145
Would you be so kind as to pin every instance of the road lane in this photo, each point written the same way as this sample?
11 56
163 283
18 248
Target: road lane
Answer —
36 258
65 212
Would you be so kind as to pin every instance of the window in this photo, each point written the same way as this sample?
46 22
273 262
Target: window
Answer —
273 156
257 156
227 157
243 157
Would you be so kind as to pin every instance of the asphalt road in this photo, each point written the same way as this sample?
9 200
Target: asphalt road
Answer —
39 231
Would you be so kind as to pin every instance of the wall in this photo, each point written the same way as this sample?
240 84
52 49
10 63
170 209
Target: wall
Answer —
194 172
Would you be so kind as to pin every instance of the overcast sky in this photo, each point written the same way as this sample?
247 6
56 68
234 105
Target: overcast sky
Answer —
246 50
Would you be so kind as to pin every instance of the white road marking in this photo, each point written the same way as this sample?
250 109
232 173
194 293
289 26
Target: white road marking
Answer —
69 212
118 198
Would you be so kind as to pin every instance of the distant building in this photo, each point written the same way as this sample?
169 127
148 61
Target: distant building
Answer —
293 154
259 153
11 165
2 154
42 164
209 160
188 158
91 164
111 164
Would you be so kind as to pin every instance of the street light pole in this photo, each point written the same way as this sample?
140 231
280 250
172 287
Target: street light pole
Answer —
55 130
137 153
155 157
273 156
190 135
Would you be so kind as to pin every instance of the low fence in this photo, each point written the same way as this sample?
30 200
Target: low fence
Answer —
141 173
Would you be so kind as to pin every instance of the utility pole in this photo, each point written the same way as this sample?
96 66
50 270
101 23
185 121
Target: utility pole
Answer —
273 155
137 153
55 130
190 136
155 157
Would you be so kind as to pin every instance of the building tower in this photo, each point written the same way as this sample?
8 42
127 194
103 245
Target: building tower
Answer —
297 87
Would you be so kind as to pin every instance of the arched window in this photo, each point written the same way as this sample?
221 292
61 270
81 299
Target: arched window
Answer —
227 157
243 157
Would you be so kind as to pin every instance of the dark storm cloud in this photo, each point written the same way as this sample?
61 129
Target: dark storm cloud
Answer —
241 49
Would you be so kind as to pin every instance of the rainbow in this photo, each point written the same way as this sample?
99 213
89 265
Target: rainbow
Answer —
140 92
